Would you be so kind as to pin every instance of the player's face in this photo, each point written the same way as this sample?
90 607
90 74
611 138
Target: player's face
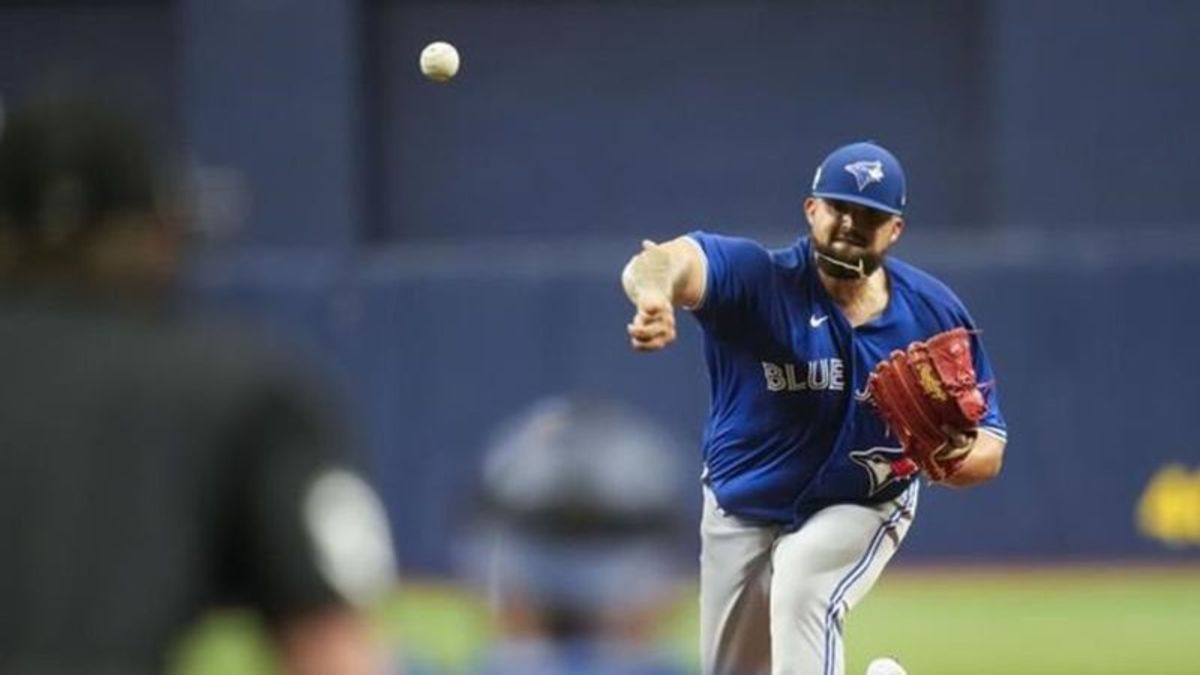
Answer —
856 235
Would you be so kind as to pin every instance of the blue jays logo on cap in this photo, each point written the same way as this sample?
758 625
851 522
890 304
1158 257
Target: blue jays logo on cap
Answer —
864 173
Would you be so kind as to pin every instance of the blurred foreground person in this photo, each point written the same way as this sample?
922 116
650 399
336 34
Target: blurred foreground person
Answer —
151 468
582 507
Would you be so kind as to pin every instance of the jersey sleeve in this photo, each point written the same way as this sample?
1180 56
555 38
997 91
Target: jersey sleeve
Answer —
310 531
738 271
992 422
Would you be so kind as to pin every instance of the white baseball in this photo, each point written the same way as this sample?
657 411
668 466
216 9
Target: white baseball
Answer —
439 61
885 666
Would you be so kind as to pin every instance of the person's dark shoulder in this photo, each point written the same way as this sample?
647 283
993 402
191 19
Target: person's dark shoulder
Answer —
234 353
218 372
287 451
218 351
131 350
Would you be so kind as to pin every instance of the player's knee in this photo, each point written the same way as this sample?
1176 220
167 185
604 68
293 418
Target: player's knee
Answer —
800 602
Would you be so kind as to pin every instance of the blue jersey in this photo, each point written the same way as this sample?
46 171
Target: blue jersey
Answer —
789 431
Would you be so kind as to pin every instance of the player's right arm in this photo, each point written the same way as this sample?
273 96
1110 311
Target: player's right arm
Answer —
656 280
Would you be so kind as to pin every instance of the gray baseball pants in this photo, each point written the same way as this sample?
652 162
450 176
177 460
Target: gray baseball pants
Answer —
775 602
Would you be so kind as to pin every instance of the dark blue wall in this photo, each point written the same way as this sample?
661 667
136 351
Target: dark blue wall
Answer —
641 118
271 95
1095 112
1092 337
451 252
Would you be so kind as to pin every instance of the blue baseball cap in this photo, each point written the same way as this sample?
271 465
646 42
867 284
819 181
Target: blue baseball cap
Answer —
863 173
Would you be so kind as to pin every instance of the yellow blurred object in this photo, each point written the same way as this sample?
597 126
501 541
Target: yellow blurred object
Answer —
1169 509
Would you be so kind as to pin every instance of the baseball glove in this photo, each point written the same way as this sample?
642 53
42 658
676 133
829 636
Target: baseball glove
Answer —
930 400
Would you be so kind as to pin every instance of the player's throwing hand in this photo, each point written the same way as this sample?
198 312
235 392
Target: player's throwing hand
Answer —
653 325
655 280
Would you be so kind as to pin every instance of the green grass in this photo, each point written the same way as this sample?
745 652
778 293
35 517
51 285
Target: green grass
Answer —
1056 622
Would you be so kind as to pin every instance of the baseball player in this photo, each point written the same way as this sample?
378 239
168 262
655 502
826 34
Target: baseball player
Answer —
807 494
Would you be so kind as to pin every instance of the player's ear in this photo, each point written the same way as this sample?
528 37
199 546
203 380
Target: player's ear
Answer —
897 228
810 208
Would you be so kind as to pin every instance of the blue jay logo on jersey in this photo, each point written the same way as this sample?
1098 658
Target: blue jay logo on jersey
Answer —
866 172
879 463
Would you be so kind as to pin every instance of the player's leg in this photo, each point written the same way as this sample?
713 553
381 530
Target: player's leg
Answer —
821 571
735 559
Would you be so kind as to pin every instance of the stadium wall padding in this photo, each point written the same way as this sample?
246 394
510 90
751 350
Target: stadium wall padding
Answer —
1095 355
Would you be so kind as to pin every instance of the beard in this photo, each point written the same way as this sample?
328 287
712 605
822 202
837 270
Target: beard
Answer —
843 260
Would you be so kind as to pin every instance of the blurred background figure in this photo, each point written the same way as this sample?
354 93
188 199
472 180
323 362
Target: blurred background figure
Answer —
153 467
580 539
